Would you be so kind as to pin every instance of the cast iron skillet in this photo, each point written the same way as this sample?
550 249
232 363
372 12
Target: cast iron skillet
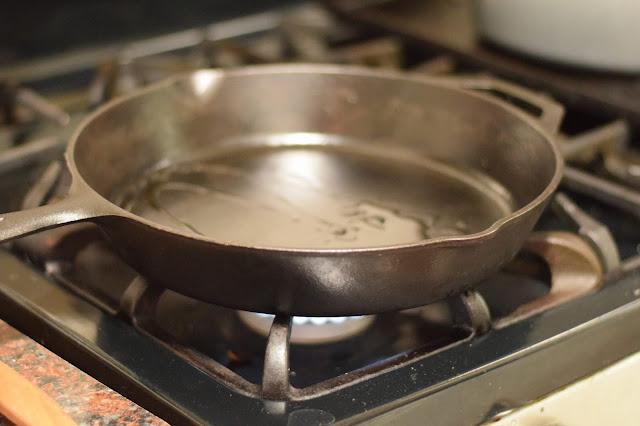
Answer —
310 189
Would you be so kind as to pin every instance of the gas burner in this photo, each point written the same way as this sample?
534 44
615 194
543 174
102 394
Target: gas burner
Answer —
311 330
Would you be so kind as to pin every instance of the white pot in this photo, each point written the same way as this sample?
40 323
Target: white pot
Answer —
599 34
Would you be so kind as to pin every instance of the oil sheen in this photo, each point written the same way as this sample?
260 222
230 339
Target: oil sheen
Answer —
313 197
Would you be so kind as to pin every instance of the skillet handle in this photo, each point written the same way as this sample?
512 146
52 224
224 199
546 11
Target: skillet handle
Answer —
75 208
548 112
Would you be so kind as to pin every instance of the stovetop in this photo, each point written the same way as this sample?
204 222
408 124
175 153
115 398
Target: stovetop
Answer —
562 309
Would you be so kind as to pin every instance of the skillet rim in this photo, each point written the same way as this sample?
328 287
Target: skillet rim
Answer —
78 180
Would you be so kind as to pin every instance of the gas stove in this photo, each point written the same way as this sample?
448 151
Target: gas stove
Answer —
561 310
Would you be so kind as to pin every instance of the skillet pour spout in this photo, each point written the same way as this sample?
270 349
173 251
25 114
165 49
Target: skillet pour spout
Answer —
310 189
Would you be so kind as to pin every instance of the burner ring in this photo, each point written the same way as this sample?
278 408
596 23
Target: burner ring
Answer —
311 330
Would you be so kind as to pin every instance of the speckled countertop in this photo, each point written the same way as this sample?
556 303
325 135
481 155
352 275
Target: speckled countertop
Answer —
86 400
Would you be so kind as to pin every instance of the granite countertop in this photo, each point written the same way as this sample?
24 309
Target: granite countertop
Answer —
86 400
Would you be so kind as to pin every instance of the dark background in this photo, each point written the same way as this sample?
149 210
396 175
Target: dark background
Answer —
29 29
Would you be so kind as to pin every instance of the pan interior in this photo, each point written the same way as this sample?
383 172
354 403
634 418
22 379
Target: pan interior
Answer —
317 196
